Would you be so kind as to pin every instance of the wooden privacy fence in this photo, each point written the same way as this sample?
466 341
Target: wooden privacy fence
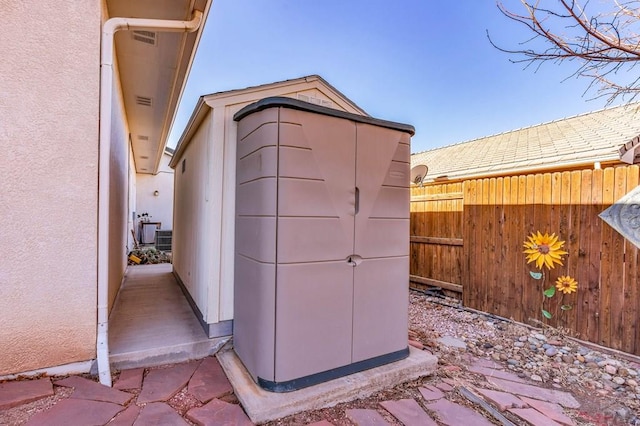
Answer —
469 236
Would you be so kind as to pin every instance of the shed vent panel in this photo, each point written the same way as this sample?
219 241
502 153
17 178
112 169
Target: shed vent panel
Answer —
314 100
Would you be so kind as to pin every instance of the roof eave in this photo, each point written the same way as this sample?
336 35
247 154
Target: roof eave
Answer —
199 113
630 151
180 84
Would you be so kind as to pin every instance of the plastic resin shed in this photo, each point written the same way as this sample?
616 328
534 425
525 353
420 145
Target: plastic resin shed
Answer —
322 242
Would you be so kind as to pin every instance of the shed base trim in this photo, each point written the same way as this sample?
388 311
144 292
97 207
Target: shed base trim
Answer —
325 376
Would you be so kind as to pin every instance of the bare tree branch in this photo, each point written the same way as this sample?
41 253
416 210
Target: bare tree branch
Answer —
604 43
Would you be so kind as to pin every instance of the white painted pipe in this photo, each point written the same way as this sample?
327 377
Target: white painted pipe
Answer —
109 29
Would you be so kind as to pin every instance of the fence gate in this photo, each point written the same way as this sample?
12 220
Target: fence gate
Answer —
437 237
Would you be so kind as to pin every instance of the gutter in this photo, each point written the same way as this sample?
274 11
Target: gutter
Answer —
109 28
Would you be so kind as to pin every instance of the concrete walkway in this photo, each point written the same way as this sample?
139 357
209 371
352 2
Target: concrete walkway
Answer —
152 323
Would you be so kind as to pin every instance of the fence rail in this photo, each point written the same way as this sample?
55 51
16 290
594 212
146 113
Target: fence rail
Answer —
468 237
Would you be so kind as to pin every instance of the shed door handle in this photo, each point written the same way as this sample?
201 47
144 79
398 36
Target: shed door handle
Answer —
357 202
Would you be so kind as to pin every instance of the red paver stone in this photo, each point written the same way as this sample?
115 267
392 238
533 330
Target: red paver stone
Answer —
491 373
550 395
364 417
431 393
502 400
163 383
209 381
534 417
321 423
159 413
487 363
127 417
455 415
552 410
88 389
446 387
218 413
23 391
409 412
130 379
76 411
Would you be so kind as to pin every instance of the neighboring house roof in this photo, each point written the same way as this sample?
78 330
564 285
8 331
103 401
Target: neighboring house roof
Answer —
571 142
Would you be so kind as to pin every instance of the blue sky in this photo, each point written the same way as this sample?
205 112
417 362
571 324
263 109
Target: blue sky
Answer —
423 62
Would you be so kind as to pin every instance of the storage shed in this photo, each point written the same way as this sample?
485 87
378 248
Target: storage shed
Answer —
204 193
322 242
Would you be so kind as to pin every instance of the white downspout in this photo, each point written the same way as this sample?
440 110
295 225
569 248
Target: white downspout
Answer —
109 29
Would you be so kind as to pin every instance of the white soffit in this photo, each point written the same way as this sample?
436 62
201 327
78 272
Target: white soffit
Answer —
153 67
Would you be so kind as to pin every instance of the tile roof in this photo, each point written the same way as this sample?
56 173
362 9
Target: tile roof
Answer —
574 141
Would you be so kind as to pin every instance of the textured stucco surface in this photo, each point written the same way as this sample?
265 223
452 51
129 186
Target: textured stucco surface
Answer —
48 181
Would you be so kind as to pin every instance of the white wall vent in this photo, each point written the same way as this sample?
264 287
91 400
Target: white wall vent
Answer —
147 37
143 101
314 100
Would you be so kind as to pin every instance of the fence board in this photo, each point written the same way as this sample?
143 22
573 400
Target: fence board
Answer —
470 291
582 304
595 258
631 295
607 262
617 278
573 247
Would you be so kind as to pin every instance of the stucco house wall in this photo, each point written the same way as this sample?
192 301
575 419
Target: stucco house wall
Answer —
160 206
204 215
49 134
50 97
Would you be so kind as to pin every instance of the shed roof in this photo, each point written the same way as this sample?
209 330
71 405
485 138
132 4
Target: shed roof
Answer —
242 97
570 142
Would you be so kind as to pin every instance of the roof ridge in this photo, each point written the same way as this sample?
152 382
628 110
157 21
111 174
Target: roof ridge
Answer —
545 123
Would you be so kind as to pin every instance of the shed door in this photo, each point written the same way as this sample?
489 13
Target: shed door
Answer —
382 240
314 290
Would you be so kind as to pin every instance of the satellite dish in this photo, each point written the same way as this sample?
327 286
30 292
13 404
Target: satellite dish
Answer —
418 173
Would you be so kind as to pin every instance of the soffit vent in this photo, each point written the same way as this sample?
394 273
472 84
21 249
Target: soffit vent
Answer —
143 101
147 37
143 138
314 100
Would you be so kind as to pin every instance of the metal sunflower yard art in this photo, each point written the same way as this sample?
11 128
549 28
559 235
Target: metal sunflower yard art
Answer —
566 284
546 251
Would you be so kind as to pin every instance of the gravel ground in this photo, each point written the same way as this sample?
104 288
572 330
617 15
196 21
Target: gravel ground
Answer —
605 383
